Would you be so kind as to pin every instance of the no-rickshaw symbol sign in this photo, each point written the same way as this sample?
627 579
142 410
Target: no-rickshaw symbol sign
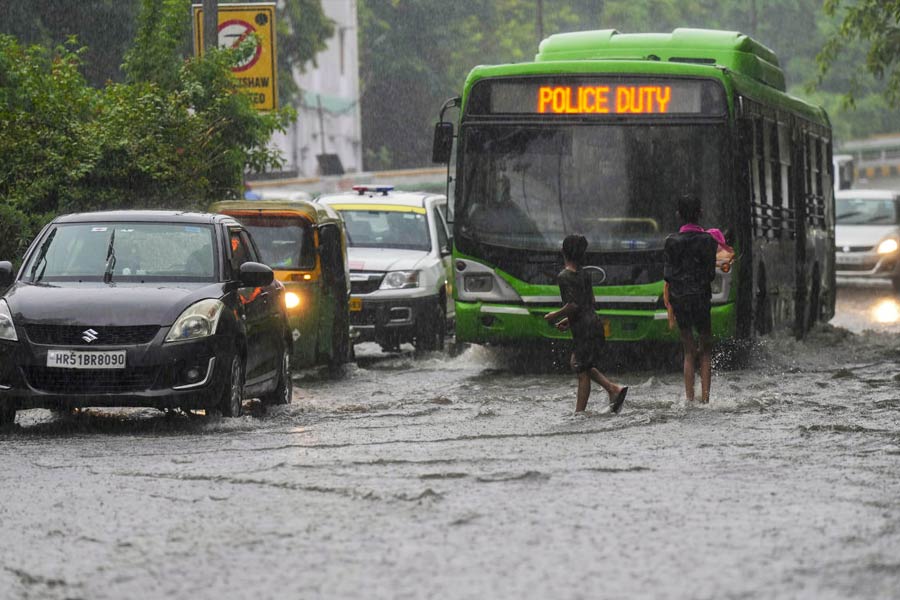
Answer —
256 72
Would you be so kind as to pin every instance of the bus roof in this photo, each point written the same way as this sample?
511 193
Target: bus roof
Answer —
741 63
730 49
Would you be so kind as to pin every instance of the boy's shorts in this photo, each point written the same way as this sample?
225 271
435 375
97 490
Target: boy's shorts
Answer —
693 312
586 353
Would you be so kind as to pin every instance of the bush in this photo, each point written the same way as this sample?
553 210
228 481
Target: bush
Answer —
181 142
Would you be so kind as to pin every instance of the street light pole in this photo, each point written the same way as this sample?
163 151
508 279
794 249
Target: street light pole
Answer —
210 24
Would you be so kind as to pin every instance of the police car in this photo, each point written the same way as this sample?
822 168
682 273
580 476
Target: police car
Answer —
400 269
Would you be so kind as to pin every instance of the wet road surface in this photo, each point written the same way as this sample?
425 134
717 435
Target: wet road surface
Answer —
438 477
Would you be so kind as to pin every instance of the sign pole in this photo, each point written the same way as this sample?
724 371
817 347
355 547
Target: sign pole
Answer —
210 24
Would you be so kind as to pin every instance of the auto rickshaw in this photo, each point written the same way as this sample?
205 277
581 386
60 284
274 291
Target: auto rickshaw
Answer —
306 245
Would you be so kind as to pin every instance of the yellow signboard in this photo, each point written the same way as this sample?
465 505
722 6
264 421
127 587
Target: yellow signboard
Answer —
256 75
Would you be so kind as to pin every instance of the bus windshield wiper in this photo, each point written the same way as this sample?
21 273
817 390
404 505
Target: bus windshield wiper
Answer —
110 258
42 258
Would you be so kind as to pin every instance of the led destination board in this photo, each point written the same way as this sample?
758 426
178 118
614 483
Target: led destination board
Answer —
597 96
582 99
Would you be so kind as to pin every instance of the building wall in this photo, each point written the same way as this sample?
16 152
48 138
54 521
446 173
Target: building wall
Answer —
329 102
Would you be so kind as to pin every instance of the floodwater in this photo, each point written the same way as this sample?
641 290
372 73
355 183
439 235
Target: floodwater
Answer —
439 477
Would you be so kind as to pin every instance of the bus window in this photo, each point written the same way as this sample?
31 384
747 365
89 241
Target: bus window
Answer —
769 157
759 169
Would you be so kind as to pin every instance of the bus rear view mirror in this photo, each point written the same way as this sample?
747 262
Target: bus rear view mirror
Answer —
443 142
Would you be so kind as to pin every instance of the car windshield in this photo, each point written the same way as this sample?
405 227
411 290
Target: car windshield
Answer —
405 228
527 187
124 252
284 242
860 211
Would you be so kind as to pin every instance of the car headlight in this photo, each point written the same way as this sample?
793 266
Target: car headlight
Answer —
198 321
400 280
291 300
888 246
7 329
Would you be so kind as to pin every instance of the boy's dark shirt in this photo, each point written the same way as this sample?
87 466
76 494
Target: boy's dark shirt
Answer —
576 287
690 264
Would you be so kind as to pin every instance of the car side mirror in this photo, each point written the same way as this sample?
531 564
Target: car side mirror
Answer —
443 142
256 275
6 274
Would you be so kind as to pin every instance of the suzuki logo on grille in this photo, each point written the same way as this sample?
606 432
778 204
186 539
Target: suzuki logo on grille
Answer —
89 336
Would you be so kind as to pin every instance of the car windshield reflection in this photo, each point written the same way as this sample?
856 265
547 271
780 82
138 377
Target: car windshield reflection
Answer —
125 252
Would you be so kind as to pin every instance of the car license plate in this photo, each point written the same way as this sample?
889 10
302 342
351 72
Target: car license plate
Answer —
355 304
850 259
73 359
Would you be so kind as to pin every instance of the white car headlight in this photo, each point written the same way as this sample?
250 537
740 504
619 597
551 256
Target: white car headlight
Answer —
888 246
7 329
400 280
198 321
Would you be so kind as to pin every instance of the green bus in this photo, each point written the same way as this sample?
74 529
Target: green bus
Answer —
598 136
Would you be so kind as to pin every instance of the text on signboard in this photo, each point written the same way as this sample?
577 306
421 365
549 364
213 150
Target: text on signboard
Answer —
635 99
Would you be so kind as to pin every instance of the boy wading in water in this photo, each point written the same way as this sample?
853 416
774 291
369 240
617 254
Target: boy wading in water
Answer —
577 314
690 267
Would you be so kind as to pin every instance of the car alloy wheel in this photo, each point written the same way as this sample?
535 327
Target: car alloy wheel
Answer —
232 402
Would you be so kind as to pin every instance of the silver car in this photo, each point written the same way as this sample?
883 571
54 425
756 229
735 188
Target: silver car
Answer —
400 269
867 235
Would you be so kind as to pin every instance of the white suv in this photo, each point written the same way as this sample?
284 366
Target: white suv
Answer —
400 269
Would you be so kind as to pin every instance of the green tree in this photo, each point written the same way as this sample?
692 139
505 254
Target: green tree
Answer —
876 24
105 27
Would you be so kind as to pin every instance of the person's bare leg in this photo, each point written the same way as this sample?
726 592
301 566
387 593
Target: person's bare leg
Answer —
705 366
611 388
690 353
584 391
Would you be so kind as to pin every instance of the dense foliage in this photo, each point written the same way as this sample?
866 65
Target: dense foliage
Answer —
875 25
416 53
66 146
107 28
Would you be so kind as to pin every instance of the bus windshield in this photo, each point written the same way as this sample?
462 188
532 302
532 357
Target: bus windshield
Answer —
527 187
284 243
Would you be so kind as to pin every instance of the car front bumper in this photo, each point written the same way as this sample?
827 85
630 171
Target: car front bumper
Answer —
154 376
866 265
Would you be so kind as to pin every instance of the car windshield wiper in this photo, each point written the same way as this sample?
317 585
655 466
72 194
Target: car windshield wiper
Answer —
110 258
42 257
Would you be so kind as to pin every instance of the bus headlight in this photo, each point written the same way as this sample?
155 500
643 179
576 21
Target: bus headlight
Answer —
888 246
291 300
476 282
721 288
479 282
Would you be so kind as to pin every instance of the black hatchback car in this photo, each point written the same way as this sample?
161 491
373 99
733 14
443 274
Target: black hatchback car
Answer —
142 308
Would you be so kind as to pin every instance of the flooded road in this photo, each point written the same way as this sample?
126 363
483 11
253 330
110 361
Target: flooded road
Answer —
438 477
